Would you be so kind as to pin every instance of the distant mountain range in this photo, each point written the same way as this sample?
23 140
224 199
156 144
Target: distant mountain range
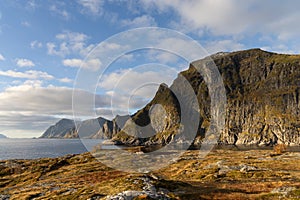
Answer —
2 136
263 105
99 128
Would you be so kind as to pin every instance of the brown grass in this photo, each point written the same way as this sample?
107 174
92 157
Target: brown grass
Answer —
279 148
81 177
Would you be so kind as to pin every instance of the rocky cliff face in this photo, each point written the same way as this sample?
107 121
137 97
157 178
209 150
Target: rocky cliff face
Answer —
262 91
263 97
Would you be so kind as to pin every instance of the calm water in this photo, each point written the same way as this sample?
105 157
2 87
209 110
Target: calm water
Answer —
43 148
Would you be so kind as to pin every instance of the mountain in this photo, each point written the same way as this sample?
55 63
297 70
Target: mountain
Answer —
262 91
2 136
99 128
64 128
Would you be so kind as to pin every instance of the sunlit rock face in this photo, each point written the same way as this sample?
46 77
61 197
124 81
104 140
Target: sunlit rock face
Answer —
262 91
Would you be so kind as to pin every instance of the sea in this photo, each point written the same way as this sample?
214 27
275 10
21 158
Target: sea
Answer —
50 148
45 148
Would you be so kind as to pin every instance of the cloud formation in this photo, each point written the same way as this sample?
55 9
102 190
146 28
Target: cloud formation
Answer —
92 7
36 44
32 107
1 57
30 74
141 21
90 64
60 11
68 43
139 82
234 20
22 62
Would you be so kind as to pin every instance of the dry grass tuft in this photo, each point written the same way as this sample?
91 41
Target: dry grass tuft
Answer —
279 148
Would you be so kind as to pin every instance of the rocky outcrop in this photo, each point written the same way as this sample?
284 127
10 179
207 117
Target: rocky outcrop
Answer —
262 91
263 97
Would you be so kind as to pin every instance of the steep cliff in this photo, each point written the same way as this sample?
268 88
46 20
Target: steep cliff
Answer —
262 91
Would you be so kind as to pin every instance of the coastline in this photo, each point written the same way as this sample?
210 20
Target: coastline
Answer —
222 174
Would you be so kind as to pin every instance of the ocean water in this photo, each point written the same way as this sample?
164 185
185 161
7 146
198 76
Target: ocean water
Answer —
44 148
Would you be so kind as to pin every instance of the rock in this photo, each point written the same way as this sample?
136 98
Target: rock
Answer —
108 142
263 106
149 190
247 168
96 197
63 128
263 102
4 197
283 190
99 128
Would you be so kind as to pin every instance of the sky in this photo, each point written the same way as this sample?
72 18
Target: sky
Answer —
45 44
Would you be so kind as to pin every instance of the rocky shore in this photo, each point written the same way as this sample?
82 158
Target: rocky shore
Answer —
222 174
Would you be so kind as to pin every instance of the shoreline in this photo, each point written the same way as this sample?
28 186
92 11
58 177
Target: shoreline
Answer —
147 149
222 174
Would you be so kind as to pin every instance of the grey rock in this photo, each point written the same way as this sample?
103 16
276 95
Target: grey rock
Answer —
4 197
247 168
283 190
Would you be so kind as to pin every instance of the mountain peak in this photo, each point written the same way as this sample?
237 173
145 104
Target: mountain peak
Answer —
3 136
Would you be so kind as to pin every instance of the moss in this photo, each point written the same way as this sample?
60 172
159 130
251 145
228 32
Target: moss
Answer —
269 196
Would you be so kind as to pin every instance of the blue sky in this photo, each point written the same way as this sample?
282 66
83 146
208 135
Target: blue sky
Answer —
44 43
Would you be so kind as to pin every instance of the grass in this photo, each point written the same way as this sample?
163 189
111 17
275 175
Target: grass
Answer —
279 149
81 177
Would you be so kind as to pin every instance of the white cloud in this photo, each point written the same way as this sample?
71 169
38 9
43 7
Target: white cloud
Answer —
30 97
30 106
162 56
60 11
72 62
223 46
90 64
73 37
65 80
68 43
36 44
22 62
31 4
142 21
92 7
1 57
31 74
232 17
140 82
25 23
